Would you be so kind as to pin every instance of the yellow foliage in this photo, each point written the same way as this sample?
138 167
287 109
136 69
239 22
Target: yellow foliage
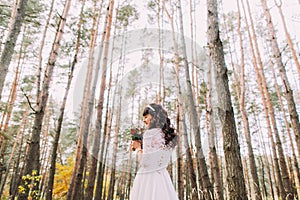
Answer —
62 179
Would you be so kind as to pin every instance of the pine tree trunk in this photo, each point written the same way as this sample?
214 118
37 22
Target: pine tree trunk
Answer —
17 142
22 152
181 116
113 177
287 125
287 88
161 91
98 128
282 162
13 33
267 165
33 157
11 101
264 94
288 37
215 169
78 193
241 97
234 169
80 158
44 152
40 57
50 182
207 187
247 179
180 169
104 41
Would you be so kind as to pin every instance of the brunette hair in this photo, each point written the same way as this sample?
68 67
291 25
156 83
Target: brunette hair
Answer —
161 120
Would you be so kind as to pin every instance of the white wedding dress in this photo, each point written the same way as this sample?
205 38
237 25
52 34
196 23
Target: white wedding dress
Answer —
153 181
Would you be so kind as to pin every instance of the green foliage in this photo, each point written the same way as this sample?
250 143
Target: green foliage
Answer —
127 14
152 4
33 10
203 92
5 12
274 99
28 83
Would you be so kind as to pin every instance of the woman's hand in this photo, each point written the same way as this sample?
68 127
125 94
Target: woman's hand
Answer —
136 145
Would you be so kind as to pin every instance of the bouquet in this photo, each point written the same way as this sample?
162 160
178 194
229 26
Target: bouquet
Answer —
137 135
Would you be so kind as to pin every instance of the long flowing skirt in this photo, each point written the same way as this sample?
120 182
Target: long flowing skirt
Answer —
153 186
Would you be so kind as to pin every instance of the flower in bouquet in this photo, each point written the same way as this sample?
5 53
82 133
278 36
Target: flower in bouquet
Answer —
136 134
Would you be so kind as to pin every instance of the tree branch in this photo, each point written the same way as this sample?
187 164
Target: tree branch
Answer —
28 100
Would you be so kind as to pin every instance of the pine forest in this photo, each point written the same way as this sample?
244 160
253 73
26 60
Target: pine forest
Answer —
76 75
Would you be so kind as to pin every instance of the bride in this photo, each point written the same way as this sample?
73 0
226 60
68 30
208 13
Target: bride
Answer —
153 181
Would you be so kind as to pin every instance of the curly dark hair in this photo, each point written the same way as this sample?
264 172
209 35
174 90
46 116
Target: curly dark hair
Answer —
161 120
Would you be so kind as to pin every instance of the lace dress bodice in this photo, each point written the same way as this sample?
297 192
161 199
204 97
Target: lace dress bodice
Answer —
156 155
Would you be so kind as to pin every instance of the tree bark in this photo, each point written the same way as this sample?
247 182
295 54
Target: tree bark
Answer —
241 98
50 182
13 33
40 57
80 158
287 126
14 147
288 37
98 128
282 162
257 64
234 169
215 169
294 117
182 120
32 162
207 187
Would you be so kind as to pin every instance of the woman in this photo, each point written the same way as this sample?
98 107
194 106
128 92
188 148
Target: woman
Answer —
153 181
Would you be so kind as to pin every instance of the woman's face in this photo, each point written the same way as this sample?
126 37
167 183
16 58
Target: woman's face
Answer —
147 119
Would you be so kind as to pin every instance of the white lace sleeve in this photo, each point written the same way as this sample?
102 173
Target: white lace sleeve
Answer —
152 142
155 155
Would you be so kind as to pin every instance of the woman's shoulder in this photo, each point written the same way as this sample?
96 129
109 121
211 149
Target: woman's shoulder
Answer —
152 132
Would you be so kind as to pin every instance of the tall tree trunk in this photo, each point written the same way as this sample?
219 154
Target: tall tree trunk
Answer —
265 158
44 152
14 147
241 97
98 128
207 187
115 149
104 41
182 119
84 121
180 169
215 169
11 100
287 125
288 37
264 94
50 182
13 33
234 169
287 88
78 193
161 90
282 162
22 152
40 56
32 162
